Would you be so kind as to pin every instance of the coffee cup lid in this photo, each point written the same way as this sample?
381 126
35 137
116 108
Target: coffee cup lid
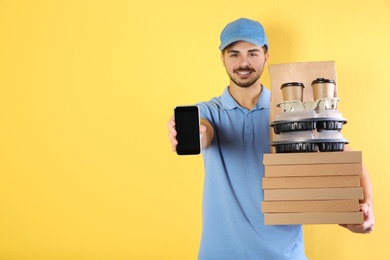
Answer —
322 80
292 84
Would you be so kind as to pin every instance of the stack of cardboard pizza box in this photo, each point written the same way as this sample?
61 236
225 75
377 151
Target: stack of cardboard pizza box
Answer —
312 188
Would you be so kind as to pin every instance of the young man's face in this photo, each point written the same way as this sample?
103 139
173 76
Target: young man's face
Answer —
244 63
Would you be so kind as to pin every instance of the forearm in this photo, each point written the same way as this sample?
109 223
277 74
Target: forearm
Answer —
365 182
207 133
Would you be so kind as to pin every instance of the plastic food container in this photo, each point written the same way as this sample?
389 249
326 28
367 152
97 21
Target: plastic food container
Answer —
305 141
330 120
294 121
294 142
331 141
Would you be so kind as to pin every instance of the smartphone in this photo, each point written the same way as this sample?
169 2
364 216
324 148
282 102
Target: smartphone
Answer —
187 127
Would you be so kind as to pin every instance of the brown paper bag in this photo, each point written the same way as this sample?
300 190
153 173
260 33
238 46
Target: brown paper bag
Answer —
304 72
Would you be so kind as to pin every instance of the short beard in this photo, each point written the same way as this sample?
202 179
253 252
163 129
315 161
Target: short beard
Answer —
244 85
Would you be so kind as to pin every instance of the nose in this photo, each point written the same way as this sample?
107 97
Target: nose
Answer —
244 62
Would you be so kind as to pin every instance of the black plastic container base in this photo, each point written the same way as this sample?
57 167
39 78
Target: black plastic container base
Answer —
294 126
295 148
329 125
331 147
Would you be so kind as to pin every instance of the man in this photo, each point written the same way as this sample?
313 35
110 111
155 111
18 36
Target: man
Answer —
235 135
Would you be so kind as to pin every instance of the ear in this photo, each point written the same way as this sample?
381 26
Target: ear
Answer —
223 59
266 58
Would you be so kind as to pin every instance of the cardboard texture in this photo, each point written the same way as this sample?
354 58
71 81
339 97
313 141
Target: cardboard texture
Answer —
311 182
311 206
312 158
313 194
313 218
313 170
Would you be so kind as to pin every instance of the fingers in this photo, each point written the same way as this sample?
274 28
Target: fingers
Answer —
360 228
172 133
368 224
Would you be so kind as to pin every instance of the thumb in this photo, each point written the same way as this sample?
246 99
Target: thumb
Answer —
364 208
202 129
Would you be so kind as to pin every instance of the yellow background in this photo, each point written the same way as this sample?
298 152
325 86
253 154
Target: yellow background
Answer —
86 89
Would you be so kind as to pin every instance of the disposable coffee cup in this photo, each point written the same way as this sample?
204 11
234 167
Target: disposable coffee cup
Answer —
323 88
292 91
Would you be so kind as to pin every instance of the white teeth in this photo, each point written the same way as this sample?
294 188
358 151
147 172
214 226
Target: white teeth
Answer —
243 72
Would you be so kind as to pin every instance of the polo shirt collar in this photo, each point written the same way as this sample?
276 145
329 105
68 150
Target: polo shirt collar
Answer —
228 102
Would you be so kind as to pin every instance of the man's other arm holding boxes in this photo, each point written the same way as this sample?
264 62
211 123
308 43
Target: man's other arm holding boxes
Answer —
366 205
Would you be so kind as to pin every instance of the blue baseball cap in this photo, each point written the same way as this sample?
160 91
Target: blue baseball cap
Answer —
243 29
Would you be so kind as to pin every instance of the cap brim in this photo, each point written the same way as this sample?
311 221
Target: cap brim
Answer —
227 43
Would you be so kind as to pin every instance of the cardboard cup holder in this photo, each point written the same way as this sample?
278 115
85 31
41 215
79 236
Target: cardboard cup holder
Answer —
309 116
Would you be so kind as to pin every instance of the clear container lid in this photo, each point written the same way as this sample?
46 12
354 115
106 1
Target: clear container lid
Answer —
295 115
299 136
331 134
330 114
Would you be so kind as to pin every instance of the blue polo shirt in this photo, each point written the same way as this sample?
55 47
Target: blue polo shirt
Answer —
233 224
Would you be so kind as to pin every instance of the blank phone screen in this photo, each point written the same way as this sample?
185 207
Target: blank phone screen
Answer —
187 127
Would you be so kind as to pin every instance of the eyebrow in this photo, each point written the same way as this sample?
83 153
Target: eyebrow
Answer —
252 50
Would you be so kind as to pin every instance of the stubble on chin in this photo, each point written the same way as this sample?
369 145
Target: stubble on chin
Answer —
244 84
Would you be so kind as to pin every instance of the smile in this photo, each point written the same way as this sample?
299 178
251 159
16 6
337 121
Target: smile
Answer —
246 72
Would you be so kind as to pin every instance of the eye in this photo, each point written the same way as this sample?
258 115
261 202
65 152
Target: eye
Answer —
253 54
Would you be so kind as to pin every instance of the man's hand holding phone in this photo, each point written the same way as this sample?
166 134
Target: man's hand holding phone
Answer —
185 131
